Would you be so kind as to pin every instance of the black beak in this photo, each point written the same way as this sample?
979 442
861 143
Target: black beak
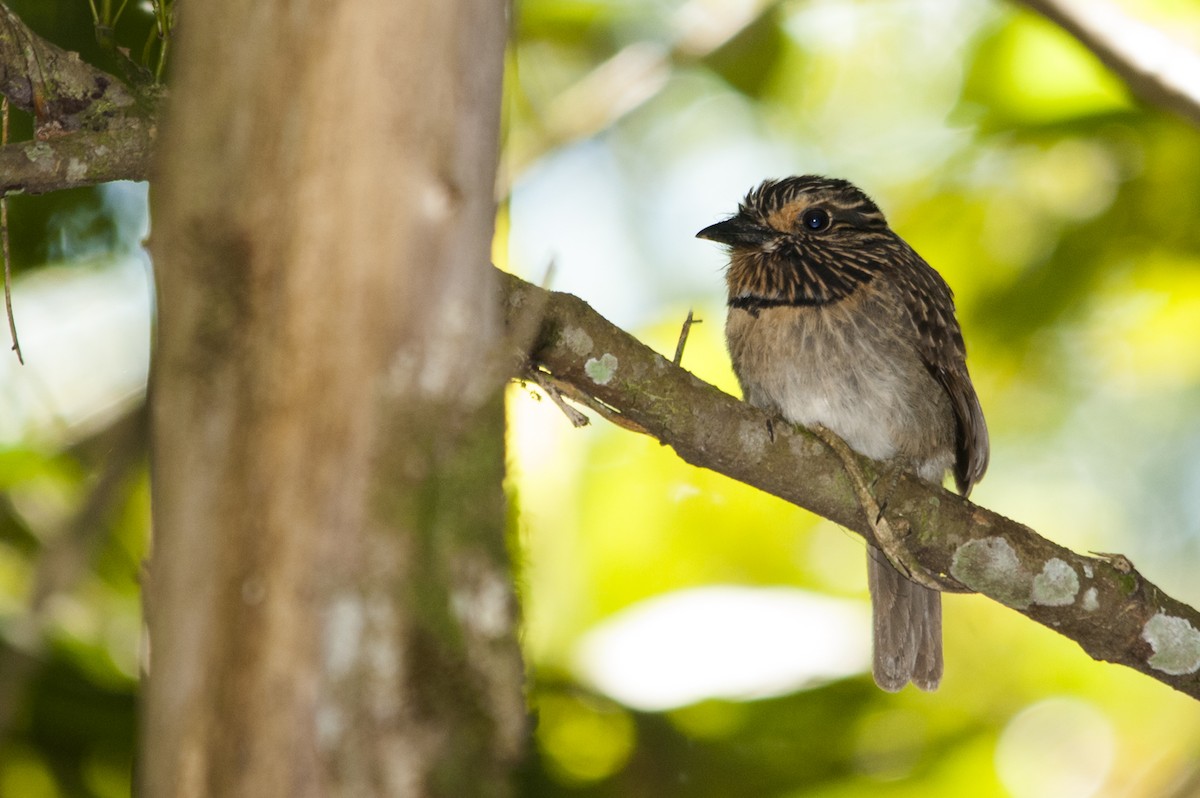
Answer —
738 231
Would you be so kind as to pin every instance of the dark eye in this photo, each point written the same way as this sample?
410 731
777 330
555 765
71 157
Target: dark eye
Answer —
815 219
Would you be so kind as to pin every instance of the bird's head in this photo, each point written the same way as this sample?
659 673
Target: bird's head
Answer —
803 241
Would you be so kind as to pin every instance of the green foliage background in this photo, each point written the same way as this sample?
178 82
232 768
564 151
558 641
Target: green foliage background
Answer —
1063 213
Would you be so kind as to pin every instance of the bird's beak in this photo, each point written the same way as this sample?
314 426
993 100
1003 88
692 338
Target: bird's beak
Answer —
738 231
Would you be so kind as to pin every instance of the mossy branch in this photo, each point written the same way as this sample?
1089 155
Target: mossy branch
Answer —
89 127
1102 603
92 128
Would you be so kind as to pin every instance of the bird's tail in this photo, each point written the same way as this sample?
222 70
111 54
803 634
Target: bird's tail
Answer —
908 627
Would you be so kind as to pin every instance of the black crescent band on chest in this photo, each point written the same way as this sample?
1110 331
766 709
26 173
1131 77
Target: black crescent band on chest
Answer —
803 283
754 304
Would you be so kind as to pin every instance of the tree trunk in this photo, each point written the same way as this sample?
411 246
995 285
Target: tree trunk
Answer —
329 605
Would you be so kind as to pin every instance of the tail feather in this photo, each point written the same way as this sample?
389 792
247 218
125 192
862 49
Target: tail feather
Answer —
907 628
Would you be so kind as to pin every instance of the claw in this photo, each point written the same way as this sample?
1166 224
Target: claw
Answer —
888 538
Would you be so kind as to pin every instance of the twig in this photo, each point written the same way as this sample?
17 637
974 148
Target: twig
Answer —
12 322
889 538
1119 561
683 336
563 388
610 414
546 383
163 13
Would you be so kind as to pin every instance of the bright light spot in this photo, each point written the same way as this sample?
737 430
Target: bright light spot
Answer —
84 327
85 334
724 642
583 740
25 773
1061 746
1045 75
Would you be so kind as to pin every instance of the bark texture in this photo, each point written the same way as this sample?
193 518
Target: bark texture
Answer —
330 609
89 126
1101 602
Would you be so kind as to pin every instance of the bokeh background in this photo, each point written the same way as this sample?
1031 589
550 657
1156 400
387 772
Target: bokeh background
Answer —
687 635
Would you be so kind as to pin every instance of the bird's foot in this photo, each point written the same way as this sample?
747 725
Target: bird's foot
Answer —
889 534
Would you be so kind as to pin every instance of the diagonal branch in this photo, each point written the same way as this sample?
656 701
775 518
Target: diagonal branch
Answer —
56 85
1160 70
90 127
1103 604
84 158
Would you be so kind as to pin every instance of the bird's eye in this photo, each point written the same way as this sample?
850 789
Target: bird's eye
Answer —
815 219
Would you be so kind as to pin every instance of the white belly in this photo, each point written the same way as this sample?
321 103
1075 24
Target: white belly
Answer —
851 371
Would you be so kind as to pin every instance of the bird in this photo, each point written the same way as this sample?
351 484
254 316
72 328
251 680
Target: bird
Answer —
835 322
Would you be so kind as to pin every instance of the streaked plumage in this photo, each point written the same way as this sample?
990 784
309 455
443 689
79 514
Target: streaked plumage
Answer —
835 320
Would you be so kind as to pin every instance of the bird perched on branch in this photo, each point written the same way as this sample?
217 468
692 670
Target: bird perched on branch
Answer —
834 321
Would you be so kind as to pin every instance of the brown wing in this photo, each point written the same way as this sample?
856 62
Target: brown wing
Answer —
931 305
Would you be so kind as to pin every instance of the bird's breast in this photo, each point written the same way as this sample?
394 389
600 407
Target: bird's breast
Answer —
851 366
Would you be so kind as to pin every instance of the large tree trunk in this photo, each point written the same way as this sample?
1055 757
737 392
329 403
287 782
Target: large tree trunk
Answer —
329 605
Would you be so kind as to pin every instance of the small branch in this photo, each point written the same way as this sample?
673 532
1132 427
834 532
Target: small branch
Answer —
90 127
607 412
1103 604
79 159
889 540
12 321
546 383
683 336
63 92
1158 69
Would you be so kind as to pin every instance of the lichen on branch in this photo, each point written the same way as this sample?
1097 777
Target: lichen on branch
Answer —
89 126
1101 602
